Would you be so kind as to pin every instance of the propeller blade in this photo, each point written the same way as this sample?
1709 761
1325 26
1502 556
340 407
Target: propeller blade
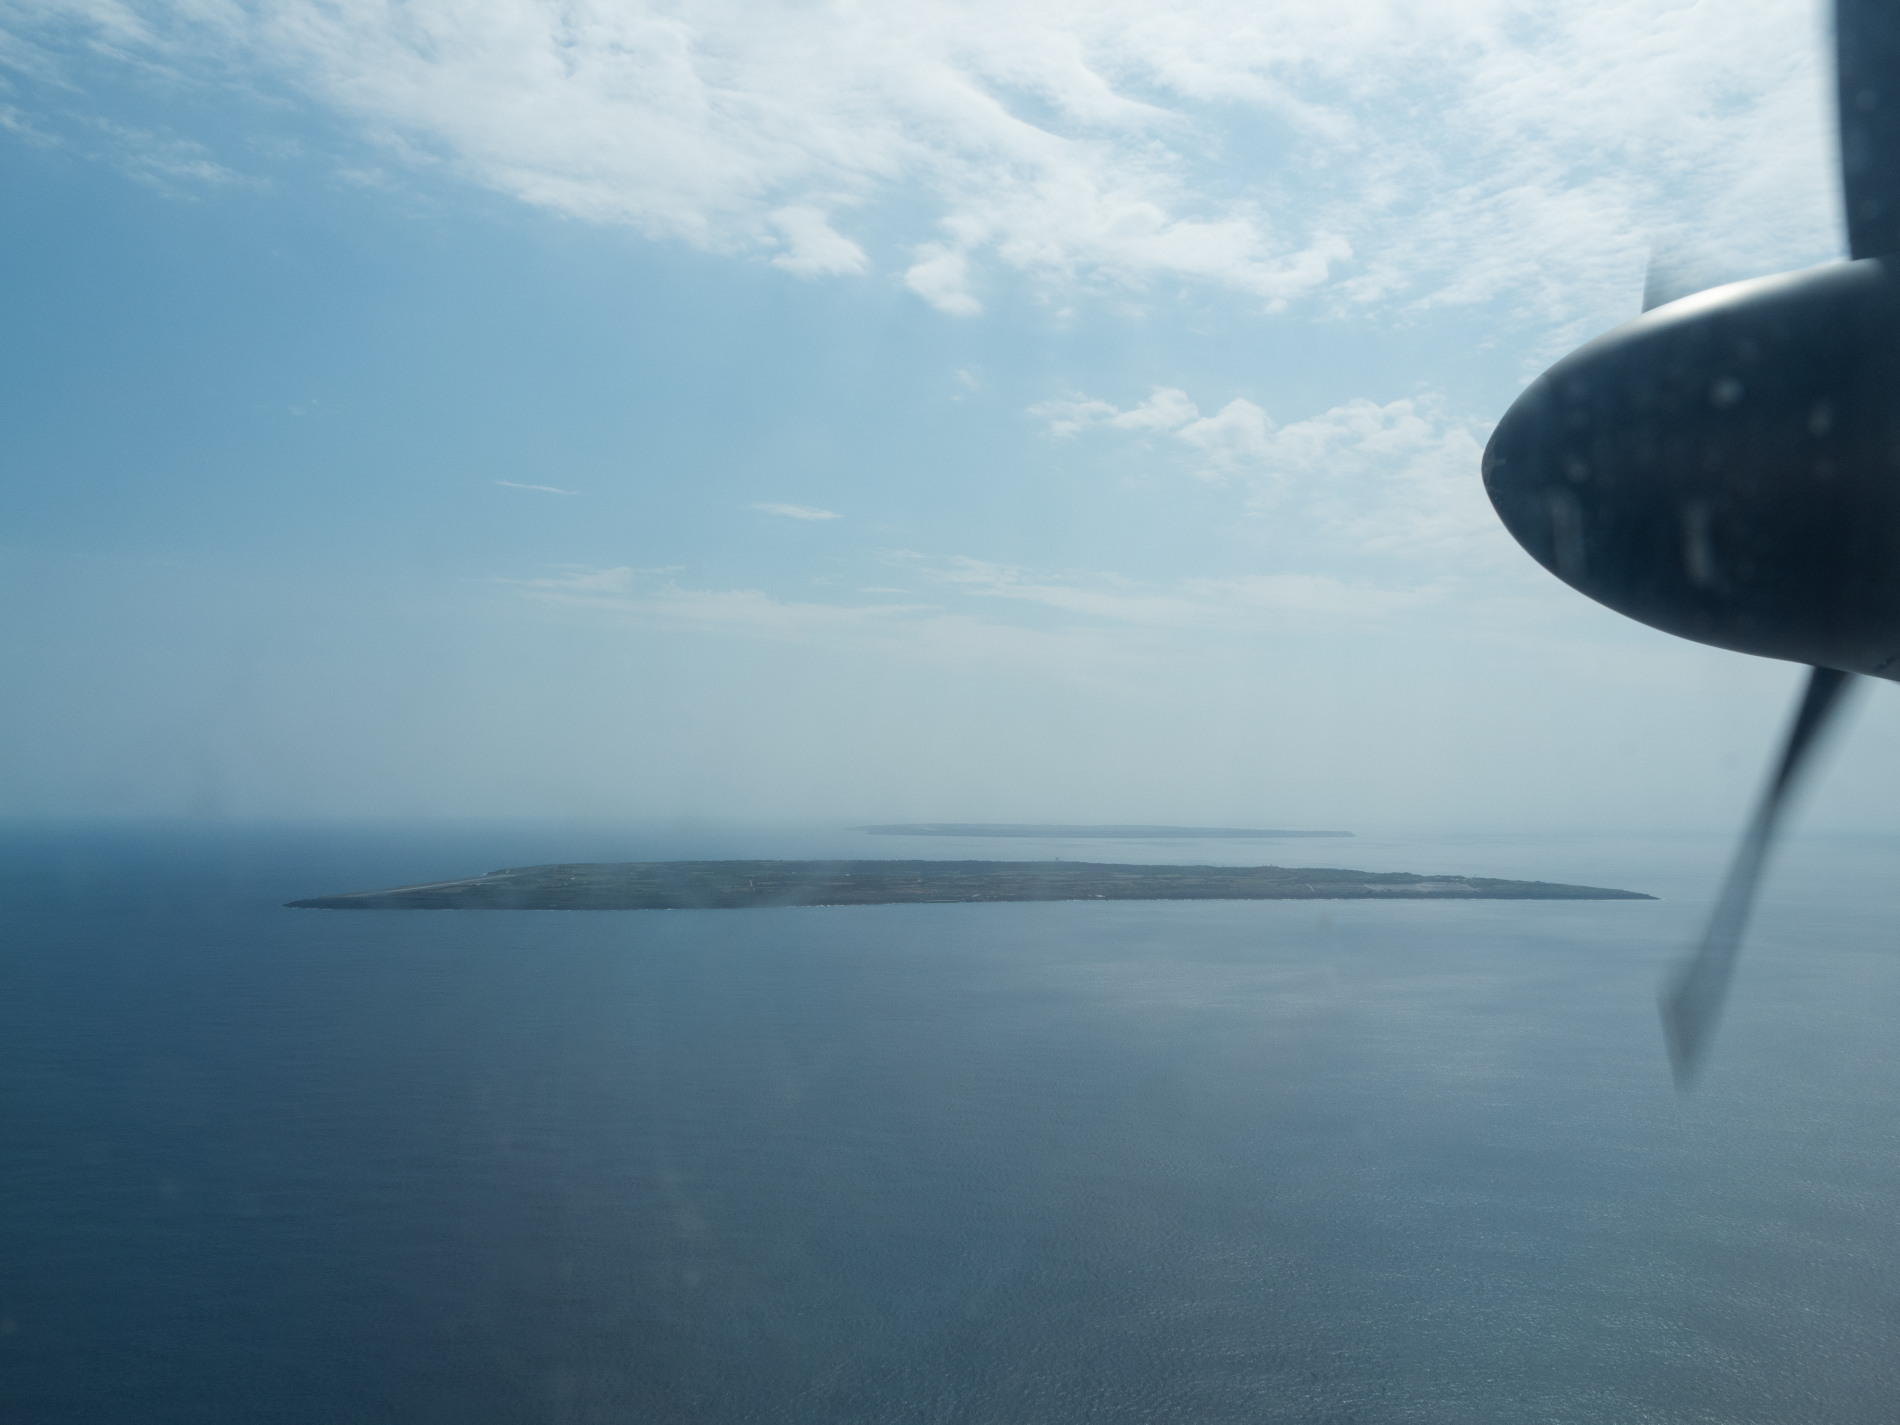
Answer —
1681 269
1867 76
1692 997
1658 289
1665 280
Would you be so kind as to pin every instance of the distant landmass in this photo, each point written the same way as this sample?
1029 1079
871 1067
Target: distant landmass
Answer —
1109 833
739 885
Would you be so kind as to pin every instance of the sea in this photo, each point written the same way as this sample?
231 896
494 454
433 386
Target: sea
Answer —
1046 1163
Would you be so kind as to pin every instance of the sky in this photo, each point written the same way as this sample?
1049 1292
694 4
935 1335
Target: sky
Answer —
830 411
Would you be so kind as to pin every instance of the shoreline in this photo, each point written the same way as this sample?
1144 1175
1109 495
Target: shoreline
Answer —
743 885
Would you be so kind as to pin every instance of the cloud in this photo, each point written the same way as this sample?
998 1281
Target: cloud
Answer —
1070 415
1361 478
1096 623
167 160
621 581
1246 601
814 247
178 167
941 276
544 489
1384 154
1235 436
910 631
796 512
1398 478
1164 410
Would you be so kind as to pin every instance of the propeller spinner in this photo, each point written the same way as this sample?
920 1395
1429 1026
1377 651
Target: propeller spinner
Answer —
1726 468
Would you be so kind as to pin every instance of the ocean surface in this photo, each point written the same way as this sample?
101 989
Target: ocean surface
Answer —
1198 1162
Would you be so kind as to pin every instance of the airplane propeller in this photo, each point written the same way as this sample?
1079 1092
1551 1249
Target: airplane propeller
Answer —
1693 994
1726 467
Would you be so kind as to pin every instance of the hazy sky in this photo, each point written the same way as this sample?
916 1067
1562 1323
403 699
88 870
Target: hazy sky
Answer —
1030 409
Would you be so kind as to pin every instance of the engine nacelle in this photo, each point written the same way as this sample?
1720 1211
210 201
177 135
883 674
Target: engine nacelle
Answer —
1727 467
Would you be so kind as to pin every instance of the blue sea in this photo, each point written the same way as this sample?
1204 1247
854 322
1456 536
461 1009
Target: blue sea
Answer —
1198 1162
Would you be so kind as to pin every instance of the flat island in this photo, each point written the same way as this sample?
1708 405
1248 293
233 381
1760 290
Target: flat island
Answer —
1103 833
740 885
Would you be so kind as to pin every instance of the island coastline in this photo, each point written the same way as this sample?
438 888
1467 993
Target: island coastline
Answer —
1058 831
742 885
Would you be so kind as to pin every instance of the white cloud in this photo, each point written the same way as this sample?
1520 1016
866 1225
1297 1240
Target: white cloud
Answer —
815 248
912 631
941 276
1232 437
544 489
1361 478
1070 415
1234 602
581 583
1093 623
1393 478
1235 436
796 512
166 160
1164 410
1468 151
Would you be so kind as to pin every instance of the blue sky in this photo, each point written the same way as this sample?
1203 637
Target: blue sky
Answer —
933 410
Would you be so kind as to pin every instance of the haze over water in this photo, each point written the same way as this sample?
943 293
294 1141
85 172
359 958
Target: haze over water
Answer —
1050 1163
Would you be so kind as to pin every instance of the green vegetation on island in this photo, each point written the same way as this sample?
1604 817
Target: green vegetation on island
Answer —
737 885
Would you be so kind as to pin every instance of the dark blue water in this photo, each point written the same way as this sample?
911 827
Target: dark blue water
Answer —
1036 1163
